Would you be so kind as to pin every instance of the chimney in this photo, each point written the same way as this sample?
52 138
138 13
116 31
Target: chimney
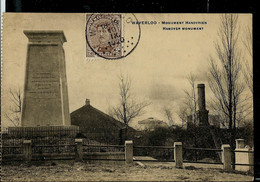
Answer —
202 113
201 97
87 102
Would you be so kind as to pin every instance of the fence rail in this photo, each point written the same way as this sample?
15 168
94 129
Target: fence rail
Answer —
155 147
11 146
243 164
157 160
60 145
201 162
103 145
203 149
105 159
240 151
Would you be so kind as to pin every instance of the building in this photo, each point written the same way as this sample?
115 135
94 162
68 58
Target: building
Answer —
150 124
97 124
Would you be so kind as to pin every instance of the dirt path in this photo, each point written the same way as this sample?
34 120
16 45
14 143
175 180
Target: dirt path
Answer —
75 171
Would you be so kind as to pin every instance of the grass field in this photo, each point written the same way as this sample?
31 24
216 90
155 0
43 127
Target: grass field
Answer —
76 171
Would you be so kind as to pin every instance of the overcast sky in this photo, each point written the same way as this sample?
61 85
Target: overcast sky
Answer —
158 67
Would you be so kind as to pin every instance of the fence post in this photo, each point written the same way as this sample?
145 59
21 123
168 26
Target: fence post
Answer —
27 150
129 152
178 154
79 149
226 157
251 161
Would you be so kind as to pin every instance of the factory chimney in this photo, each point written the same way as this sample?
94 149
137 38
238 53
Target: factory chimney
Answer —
203 112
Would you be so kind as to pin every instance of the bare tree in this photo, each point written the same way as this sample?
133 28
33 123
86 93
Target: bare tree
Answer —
224 73
168 113
247 69
15 108
190 99
129 107
183 113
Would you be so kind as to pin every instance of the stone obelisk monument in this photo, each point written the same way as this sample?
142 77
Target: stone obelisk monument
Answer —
203 112
45 104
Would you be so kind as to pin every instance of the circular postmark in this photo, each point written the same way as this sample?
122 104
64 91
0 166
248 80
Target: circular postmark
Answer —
111 35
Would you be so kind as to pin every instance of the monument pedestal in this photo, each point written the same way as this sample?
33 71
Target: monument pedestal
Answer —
43 131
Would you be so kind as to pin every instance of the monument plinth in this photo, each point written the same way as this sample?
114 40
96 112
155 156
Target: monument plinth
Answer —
45 104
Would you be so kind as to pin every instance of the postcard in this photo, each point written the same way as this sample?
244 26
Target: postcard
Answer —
127 96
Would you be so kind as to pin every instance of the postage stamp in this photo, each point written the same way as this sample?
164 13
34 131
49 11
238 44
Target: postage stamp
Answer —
106 35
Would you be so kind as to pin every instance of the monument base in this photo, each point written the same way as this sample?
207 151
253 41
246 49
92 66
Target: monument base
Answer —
43 131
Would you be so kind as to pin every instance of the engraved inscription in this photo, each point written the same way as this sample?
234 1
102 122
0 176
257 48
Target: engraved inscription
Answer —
44 84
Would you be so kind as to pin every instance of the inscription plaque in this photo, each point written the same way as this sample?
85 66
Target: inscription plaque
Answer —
44 85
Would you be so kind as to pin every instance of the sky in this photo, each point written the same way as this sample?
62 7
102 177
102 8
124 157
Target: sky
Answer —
158 67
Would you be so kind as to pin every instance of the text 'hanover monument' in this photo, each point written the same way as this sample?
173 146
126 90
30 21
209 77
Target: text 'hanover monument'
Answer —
45 104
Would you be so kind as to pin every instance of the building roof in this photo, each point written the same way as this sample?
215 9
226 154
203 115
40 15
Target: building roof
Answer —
88 118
